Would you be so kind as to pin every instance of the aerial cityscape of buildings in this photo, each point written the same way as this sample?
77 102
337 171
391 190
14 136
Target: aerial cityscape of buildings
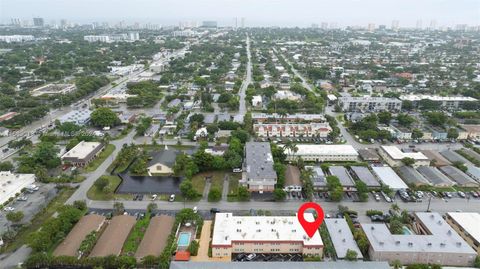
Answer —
140 145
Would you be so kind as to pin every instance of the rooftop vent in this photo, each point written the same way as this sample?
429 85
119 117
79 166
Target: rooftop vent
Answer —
410 244
459 244
372 228
397 242
429 244
381 243
442 244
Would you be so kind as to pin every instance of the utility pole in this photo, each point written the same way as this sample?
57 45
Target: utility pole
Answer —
429 200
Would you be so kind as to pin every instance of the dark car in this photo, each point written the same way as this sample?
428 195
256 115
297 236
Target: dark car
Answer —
214 210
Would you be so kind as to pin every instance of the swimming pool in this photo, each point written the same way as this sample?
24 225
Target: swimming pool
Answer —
406 231
183 239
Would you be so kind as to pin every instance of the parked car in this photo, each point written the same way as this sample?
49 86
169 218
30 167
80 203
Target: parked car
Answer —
154 197
251 256
461 194
172 198
22 198
9 208
214 210
237 170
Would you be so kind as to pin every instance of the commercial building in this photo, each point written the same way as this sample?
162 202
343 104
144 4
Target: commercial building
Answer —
459 177
279 265
372 104
258 174
289 118
393 156
11 184
79 117
156 236
320 130
112 239
412 176
318 177
342 174
448 102
435 177
71 243
388 177
263 234
82 153
51 89
322 153
435 242
342 238
16 38
466 225
363 174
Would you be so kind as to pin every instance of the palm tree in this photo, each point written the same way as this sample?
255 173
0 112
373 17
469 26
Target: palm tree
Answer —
396 264
395 207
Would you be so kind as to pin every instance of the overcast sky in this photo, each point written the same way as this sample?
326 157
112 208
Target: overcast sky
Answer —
256 12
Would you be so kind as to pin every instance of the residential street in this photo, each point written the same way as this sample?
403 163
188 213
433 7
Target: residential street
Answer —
248 79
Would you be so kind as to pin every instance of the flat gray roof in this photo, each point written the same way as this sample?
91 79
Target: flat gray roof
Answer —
442 237
279 265
259 161
434 176
318 177
458 176
369 154
412 176
365 176
342 237
342 174
453 156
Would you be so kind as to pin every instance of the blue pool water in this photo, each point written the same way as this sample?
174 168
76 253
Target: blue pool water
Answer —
184 239
406 231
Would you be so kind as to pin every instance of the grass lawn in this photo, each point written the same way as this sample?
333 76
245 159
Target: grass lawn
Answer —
136 236
94 194
233 187
198 182
100 158
217 179
39 219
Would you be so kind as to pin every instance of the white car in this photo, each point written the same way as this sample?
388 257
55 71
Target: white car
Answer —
195 209
237 170
9 208
154 197
251 256
172 198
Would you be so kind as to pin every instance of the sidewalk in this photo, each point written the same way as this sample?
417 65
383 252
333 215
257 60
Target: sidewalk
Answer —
204 241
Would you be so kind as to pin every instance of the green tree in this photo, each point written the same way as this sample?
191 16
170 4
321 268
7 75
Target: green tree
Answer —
279 194
152 207
417 133
477 262
396 264
452 133
68 128
405 120
46 154
104 117
214 195
243 194
6 166
351 255
396 227
408 161
101 183
15 217
186 187
193 248
118 208
384 117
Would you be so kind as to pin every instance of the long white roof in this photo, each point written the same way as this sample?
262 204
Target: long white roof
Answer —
310 149
468 221
396 154
389 177
230 228
419 97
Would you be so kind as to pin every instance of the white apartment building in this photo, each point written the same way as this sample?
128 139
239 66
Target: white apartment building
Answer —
16 38
369 104
442 101
97 38
393 156
292 129
322 153
263 234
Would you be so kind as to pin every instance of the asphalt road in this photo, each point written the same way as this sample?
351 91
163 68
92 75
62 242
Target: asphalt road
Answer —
242 110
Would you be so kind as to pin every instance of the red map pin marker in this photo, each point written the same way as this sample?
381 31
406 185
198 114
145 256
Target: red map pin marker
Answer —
310 227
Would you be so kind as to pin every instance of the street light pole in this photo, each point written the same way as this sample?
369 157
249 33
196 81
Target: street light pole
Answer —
429 200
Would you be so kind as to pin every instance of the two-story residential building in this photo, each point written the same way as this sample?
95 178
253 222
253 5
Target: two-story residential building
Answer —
258 173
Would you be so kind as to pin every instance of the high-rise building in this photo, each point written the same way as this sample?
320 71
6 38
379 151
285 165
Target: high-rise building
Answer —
433 25
243 22
133 36
209 24
419 25
371 27
63 23
16 22
395 25
38 22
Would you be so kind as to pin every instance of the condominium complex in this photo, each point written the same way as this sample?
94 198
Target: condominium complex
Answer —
292 129
263 234
16 38
466 224
322 153
394 156
369 104
441 101
258 174
82 153
274 117
132 36
434 242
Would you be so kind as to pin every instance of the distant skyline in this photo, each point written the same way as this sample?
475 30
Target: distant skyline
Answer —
283 13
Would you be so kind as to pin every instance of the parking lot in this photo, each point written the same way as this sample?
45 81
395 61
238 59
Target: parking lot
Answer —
34 203
277 257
